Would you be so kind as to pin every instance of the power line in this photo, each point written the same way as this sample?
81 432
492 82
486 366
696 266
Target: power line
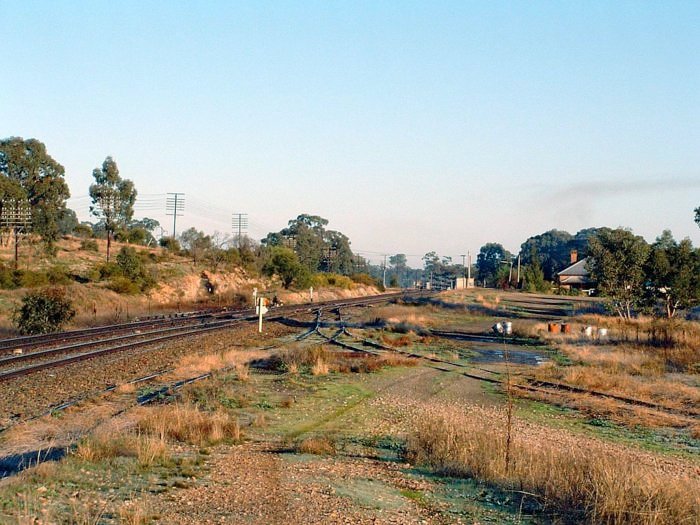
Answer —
240 225
175 205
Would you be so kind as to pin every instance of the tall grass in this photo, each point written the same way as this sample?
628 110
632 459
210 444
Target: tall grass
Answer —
148 450
577 483
320 360
188 424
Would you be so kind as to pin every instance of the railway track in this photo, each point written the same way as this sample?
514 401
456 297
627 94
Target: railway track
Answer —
535 386
99 341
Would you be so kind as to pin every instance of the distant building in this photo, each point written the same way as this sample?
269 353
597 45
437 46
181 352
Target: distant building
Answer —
462 282
576 275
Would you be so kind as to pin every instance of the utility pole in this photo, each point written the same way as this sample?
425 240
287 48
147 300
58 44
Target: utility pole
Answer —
240 226
518 284
384 273
464 265
469 268
16 216
175 205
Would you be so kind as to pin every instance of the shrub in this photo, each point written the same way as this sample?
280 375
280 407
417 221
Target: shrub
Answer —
320 280
43 311
31 279
124 285
284 263
129 274
364 278
89 245
171 244
57 275
7 278
82 230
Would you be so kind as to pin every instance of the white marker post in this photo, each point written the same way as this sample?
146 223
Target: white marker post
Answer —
311 294
260 310
255 296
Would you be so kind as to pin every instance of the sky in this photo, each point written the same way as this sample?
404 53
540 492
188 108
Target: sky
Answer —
411 126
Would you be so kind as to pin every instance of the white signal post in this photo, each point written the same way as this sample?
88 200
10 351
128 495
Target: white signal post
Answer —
260 310
255 297
311 294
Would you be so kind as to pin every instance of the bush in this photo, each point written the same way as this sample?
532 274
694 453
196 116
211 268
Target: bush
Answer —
170 243
57 275
130 274
7 278
89 245
331 279
31 279
364 278
104 271
82 230
284 263
124 285
43 311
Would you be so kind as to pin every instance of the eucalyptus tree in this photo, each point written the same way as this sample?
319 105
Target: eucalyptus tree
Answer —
617 260
28 173
112 197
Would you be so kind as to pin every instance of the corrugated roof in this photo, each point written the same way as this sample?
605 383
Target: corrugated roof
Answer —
578 269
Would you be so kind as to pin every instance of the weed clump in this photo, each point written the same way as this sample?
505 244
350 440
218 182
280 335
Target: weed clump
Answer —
319 446
102 446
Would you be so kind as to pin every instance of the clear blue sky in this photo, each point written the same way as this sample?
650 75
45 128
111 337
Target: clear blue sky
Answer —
411 126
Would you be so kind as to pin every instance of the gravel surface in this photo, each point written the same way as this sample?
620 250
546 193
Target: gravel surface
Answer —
31 395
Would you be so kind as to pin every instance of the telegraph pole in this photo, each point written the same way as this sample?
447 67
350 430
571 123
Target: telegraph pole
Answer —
16 216
175 205
464 265
239 222
384 273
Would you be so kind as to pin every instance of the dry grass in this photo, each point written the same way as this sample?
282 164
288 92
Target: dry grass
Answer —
578 483
319 445
259 421
126 388
396 342
134 513
320 367
147 449
188 424
396 314
321 360
624 370
243 372
192 365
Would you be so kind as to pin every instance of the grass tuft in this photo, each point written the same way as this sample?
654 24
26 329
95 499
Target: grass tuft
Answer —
188 424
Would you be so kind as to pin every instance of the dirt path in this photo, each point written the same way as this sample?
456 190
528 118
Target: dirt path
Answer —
259 483
254 484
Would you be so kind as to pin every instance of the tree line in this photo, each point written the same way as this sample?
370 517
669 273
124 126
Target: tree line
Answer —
633 274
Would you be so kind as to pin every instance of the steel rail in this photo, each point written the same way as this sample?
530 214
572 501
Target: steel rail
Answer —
58 337
181 332
547 387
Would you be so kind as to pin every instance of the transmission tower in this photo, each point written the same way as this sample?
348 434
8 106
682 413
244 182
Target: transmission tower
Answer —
175 205
239 223
16 217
